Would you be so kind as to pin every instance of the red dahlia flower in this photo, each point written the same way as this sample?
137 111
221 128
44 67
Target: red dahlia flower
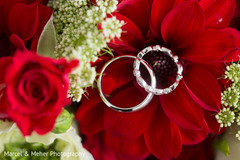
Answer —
21 24
196 32
33 90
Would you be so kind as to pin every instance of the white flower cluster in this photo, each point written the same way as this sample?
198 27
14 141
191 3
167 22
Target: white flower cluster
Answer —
111 28
233 72
225 117
79 36
230 99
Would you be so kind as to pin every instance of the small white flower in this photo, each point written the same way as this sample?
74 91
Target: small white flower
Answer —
78 37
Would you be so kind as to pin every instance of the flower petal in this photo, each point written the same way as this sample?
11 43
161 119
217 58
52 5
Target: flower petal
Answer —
203 87
201 151
182 109
117 75
141 8
94 144
211 46
44 15
234 35
183 25
235 21
128 126
45 124
25 123
218 13
23 20
5 7
17 42
4 63
190 137
5 44
121 48
213 125
159 10
131 34
90 113
135 150
163 137
218 70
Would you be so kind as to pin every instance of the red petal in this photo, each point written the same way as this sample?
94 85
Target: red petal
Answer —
183 25
17 42
44 15
100 62
201 151
94 144
90 113
23 122
159 10
120 48
234 35
213 125
45 124
23 20
5 7
235 21
135 150
163 137
131 34
218 70
182 109
141 8
5 45
4 63
211 46
218 13
204 87
118 74
190 137
128 126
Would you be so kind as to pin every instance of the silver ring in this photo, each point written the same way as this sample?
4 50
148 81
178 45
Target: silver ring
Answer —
143 83
140 105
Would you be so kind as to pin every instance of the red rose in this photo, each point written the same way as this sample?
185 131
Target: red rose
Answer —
36 90
21 22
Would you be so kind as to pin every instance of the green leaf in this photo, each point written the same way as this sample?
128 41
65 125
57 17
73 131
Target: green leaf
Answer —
47 41
63 122
221 145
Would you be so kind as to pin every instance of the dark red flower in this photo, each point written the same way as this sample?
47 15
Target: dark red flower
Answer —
33 90
201 151
196 32
236 20
21 24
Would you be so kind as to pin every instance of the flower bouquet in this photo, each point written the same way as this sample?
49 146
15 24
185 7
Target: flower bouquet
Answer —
142 79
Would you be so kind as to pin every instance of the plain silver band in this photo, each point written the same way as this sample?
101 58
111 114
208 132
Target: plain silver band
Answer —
140 105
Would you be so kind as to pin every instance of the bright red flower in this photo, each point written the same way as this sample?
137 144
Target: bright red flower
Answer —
196 32
33 90
21 24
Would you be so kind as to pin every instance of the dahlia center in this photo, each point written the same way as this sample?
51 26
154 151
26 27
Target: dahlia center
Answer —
163 65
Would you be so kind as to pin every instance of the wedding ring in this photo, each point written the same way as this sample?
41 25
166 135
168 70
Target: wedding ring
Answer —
143 83
148 97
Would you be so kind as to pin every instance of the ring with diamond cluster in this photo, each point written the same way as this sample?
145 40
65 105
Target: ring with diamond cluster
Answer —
141 80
